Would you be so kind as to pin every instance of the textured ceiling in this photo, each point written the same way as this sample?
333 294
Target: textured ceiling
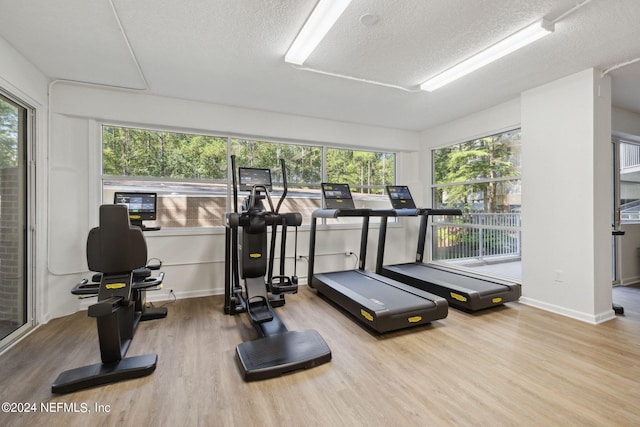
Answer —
231 52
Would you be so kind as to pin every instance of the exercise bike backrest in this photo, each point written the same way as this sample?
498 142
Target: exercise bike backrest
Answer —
115 247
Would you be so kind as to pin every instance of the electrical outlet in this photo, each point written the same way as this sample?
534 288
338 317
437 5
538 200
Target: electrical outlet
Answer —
557 276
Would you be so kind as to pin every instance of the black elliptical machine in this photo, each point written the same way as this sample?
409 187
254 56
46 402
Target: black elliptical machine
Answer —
277 350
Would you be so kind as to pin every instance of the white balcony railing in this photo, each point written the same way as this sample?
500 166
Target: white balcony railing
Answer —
477 236
629 156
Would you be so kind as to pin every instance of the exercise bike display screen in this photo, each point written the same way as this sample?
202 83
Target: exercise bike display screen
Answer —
250 177
400 197
142 206
337 196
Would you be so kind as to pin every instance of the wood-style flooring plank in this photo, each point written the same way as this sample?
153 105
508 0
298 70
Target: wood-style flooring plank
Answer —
508 366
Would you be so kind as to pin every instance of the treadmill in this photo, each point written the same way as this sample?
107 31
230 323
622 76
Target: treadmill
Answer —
379 303
461 290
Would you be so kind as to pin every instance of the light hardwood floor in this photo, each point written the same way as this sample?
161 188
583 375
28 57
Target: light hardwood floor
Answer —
510 366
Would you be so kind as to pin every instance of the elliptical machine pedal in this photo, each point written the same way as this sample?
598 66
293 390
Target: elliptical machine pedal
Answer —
259 310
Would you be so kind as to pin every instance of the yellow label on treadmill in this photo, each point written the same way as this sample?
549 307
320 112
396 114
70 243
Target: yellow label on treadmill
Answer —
366 315
255 255
414 319
458 297
116 285
496 300
134 216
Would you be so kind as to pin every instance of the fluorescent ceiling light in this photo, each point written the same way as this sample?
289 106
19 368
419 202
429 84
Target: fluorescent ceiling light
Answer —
324 15
512 43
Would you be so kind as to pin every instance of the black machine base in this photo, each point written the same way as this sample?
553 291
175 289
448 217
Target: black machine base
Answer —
279 354
101 373
151 313
618 309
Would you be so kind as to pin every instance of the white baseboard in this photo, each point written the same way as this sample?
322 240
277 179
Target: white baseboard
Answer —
594 319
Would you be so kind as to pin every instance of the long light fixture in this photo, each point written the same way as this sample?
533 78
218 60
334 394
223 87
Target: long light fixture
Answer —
324 15
512 43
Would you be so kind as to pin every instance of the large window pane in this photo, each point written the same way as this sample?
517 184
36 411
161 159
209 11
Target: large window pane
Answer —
14 254
481 197
366 172
304 172
189 173
482 178
488 158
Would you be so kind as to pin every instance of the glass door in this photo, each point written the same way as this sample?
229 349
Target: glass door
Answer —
626 197
15 312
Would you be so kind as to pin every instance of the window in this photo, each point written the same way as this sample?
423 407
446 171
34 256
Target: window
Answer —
190 172
16 192
304 172
482 178
366 172
629 182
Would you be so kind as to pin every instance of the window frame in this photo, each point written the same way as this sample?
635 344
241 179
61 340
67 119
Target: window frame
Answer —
619 182
230 138
27 130
488 227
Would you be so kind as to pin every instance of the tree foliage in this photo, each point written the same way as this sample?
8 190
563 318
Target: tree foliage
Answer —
304 163
146 153
9 120
476 165
140 152
361 169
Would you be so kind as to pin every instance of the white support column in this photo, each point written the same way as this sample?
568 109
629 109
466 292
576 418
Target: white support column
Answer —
566 198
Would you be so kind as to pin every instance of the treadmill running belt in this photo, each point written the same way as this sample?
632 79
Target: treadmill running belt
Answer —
380 303
462 291
454 280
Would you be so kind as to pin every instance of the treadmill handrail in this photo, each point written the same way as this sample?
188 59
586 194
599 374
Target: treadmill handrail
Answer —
424 213
335 213
365 214
357 212
407 212
439 212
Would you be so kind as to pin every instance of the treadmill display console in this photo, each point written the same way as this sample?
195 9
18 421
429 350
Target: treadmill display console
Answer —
400 197
337 196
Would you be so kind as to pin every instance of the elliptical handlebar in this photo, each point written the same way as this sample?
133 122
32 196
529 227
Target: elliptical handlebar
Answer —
235 183
253 198
284 184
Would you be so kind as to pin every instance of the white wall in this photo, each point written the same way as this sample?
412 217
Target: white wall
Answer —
566 200
193 259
